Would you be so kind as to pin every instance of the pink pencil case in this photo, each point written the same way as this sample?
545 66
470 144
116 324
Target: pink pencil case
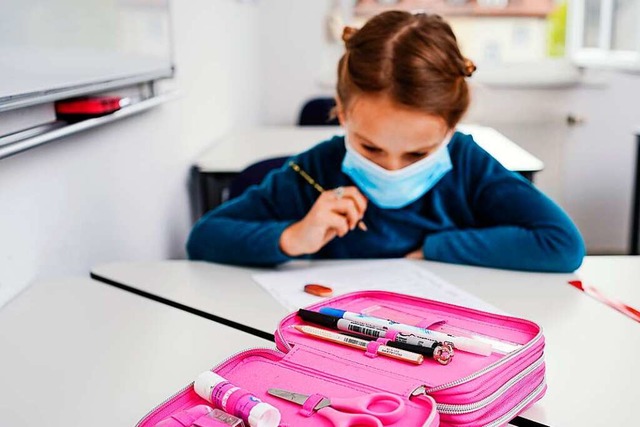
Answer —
472 390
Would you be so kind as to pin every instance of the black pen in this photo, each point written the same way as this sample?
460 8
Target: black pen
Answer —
361 225
440 352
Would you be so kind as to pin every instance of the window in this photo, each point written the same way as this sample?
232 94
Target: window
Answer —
606 33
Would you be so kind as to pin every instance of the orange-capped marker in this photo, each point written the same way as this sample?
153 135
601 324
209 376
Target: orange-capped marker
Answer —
318 290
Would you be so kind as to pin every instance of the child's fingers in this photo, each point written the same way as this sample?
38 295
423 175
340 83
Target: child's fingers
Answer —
347 207
330 234
337 222
417 254
329 202
354 194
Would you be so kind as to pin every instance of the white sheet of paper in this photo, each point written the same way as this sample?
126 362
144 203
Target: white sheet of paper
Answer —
397 275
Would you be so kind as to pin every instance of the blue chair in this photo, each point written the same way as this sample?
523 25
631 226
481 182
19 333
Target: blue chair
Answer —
253 175
316 112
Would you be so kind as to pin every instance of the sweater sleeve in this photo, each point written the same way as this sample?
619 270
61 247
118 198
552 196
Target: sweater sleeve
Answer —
517 227
246 230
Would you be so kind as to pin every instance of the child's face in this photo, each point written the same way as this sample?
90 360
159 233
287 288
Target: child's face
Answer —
388 134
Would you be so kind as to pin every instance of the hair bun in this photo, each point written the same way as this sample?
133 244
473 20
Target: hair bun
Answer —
469 67
348 32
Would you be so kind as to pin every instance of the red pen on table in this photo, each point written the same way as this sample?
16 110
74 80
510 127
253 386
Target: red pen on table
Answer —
616 305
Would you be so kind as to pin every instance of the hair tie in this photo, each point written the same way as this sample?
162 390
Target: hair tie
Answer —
348 32
469 67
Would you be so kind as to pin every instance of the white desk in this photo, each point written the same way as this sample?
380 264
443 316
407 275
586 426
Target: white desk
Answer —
222 293
198 285
77 352
585 388
229 156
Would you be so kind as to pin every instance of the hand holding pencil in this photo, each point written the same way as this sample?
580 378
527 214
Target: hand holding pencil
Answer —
335 213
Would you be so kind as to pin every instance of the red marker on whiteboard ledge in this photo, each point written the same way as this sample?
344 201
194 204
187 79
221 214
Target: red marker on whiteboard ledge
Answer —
616 305
76 109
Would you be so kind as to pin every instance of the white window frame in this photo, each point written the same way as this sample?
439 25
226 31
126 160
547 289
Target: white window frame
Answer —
602 56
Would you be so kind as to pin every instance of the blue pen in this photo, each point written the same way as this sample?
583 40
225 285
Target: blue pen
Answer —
413 334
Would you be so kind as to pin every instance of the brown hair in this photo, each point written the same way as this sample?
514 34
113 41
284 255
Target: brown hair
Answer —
414 58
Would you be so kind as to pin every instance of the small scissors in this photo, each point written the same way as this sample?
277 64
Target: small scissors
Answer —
350 412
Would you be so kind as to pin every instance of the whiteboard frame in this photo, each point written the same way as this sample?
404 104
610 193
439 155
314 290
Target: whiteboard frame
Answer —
57 131
35 98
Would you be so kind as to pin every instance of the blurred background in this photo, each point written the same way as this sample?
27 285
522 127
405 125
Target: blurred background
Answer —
558 78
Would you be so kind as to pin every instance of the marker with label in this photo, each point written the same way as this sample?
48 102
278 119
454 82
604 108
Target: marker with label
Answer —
459 343
441 353
379 332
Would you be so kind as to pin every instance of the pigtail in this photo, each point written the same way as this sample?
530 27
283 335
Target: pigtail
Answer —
347 33
469 67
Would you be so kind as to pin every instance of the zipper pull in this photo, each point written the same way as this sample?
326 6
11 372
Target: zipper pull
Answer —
420 391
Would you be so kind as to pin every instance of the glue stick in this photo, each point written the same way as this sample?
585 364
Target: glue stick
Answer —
234 400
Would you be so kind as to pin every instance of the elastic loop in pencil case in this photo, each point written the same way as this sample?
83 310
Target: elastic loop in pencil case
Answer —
372 349
308 408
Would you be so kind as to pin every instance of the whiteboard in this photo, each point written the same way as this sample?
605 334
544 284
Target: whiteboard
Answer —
53 49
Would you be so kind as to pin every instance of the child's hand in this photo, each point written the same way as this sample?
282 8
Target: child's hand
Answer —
335 213
417 254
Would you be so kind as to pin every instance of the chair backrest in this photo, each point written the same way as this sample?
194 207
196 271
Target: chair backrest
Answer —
253 175
315 112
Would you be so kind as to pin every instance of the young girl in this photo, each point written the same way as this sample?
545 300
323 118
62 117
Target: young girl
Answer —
404 182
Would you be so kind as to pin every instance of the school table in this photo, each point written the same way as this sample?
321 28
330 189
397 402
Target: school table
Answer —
228 294
217 166
591 349
76 352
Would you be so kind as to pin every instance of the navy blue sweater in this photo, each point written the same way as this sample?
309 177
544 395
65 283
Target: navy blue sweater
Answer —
479 213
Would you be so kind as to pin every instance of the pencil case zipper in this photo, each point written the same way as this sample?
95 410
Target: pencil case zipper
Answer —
452 409
516 409
489 368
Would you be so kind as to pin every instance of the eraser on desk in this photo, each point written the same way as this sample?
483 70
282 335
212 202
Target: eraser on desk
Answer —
318 290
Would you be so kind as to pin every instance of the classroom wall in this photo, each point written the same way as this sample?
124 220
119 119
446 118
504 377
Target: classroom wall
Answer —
296 56
599 173
294 45
589 167
120 192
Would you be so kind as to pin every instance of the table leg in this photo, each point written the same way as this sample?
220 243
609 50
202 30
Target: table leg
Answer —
528 175
635 207
212 189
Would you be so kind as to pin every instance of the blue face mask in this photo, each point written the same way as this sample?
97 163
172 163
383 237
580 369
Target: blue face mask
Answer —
398 188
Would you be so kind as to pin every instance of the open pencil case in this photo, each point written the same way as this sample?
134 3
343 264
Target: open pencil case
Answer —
472 390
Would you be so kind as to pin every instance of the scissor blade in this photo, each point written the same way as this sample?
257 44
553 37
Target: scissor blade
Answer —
288 395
